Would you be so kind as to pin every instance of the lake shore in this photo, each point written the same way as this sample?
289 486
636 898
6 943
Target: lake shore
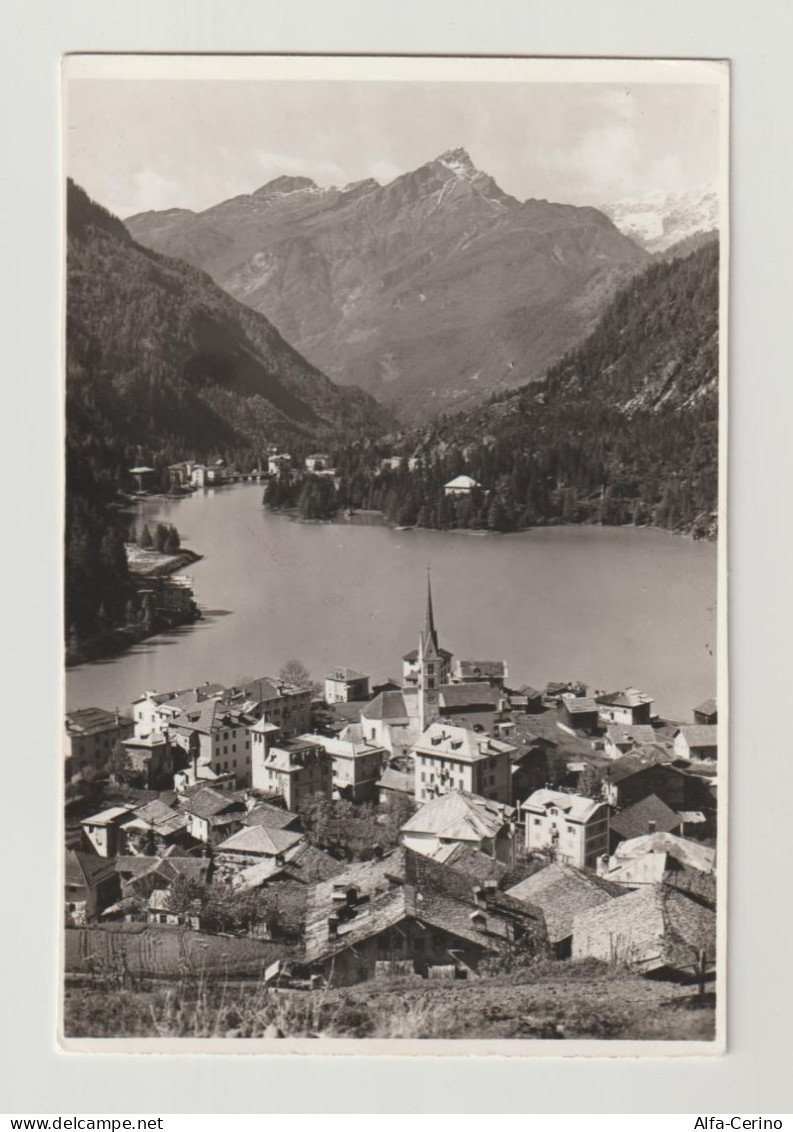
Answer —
143 564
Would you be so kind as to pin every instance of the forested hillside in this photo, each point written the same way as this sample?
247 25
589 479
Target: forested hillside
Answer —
161 365
624 429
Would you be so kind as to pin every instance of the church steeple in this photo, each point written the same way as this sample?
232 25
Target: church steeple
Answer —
429 638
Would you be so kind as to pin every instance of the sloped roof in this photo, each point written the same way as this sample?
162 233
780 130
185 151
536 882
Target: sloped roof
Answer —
260 839
470 862
206 802
87 868
635 820
387 705
158 816
402 781
682 849
700 734
654 927
574 806
562 892
635 763
637 733
107 817
462 481
579 705
707 707
272 817
92 720
460 816
407 885
468 695
342 675
630 697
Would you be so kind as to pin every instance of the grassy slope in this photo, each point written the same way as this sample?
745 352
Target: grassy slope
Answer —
551 1000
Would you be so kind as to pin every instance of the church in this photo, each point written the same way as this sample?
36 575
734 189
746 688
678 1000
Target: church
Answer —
396 720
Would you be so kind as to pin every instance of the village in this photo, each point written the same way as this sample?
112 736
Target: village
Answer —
424 826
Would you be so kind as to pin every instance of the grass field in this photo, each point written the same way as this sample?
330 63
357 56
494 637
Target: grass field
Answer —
550 1000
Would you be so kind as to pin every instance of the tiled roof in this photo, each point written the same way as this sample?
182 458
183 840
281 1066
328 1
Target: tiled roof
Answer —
561 892
460 816
635 820
574 806
259 839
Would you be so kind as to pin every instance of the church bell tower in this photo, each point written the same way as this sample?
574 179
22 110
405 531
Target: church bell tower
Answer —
430 667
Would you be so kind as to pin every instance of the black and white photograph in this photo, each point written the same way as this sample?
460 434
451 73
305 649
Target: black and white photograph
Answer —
395 684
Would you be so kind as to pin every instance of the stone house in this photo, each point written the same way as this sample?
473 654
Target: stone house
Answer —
630 707
561 892
461 818
698 742
90 736
448 758
345 685
91 885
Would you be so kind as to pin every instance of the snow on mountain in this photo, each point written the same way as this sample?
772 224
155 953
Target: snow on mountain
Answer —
659 220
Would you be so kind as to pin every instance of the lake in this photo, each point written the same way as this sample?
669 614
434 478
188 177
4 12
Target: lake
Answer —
610 606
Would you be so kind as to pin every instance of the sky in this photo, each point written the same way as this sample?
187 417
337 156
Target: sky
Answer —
135 145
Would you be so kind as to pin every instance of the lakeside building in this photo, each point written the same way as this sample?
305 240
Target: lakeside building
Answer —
90 736
277 461
460 485
345 685
454 758
573 828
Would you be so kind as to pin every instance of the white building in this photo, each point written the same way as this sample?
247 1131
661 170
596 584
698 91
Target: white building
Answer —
460 485
573 828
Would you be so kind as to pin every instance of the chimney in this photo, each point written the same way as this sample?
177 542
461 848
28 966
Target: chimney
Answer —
651 827
479 895
377 852
333 927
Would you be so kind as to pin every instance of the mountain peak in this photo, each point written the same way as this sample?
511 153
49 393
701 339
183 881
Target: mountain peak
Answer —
283 185
458 160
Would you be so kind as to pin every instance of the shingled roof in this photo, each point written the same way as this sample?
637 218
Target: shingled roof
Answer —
562 892
635 820
460 816
407 885
260 840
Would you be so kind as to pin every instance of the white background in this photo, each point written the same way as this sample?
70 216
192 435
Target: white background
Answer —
755 1076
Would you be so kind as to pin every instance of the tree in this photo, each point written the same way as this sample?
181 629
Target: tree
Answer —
145 542
121 770
295 672
160 537
172 541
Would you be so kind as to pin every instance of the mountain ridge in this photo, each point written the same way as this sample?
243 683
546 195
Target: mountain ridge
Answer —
429 291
